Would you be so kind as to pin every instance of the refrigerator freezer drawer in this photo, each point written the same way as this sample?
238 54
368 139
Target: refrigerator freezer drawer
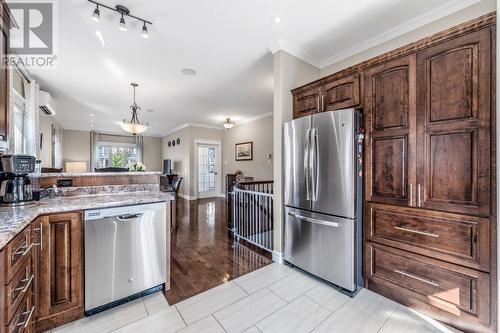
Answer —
322 245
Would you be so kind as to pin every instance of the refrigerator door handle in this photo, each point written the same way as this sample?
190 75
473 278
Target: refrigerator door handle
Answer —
307 164
314 164
313 220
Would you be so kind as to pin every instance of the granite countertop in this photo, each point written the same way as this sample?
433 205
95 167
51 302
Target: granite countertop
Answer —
97 174
14 219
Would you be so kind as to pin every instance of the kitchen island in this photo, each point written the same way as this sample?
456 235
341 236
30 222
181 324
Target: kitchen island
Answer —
42 254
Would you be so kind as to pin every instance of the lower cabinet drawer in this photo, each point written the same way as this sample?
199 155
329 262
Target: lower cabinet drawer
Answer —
22 321
20 285
459 239
450 291
16 251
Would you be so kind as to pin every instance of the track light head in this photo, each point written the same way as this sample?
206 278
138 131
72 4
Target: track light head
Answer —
145 32
122 26
96 15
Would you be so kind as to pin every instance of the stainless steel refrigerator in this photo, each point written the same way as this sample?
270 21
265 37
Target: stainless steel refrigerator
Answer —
323 160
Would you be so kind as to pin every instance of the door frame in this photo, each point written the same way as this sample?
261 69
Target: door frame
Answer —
218 156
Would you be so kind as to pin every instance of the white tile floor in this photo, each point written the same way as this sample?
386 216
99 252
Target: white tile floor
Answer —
273 299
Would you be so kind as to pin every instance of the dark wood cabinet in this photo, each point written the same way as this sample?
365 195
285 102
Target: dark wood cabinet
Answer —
390 108
341 93
306 101
459 239
453 124
327 95
452 293
429 210
61 270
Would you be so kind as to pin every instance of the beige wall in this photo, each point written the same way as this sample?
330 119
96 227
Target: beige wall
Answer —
180 156
153 153
260 132
76 148
289 72
45 126
183 155
469 13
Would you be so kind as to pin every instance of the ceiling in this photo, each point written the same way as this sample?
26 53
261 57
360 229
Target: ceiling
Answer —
228 43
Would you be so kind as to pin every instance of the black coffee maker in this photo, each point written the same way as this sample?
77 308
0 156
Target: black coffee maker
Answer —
15 184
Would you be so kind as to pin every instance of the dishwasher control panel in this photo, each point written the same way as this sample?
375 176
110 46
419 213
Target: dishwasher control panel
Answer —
96 214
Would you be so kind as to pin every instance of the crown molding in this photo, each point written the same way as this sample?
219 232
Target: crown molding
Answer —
241 122
296 51
249 120
399 30
408 26
185 125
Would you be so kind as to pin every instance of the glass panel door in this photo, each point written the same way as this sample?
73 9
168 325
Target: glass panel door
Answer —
207 176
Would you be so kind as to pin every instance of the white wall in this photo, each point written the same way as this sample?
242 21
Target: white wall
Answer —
260 132
289 72
45 127
183 155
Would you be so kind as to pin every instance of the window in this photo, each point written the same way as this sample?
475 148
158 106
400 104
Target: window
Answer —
18 123
115 154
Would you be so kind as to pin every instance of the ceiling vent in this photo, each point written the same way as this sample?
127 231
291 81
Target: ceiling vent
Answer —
47 104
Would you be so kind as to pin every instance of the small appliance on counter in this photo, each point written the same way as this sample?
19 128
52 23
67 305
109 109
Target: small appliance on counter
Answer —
15 184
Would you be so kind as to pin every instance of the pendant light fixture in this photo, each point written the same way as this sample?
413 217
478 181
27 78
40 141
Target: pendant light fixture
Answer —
122 11
228 124
133 126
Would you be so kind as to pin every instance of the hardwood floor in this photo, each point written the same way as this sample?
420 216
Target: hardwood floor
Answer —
204 254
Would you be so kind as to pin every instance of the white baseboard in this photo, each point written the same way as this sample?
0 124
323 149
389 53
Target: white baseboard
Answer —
278 257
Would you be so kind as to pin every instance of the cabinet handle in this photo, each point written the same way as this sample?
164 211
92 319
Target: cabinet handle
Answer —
26 286
418 193
323 102
41 237
23 250
27 321
417 232
318 108
432 283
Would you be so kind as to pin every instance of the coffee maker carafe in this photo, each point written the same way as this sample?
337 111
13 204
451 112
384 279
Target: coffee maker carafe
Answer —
15 184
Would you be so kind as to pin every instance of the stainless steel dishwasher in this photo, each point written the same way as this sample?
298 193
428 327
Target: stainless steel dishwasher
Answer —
125 254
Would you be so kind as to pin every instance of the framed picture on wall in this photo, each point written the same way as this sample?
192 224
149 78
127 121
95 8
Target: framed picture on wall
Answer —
244 151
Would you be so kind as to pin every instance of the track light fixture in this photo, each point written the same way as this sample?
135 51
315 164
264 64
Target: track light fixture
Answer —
122 26
123 11
145 32
96 15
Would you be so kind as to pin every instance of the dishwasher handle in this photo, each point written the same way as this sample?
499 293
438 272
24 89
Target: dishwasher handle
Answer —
127 217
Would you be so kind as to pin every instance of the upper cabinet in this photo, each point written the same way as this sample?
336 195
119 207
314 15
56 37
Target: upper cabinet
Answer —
390 134
453 122
327 96
428 119
341 94
306 102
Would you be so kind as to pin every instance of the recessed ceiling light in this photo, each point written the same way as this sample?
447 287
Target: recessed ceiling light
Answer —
91 114
188 71
276 19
